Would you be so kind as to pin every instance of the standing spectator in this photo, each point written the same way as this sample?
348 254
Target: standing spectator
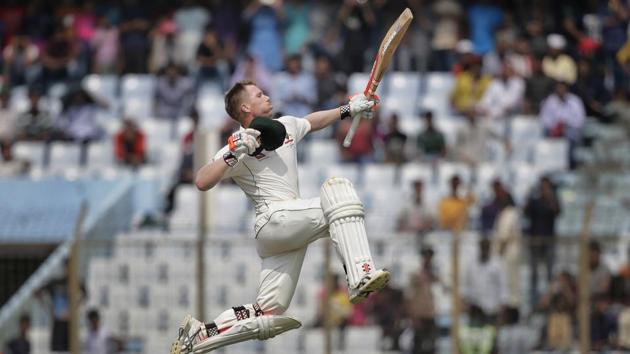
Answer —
471 141
97 336
173 96
484 18
295 89
395 141
484 289
536 35
190 19
541 210
134 38
557 64
265 42
538 87
105 45
430 143
251 69
21 343
415 217
503 96
562 116
560 304
208 55
36 123
129 144
603 323
421 305
339 308
591 89
445 33
614 16
356 19
470 86
491 210
163 46
453 209
21 61
388 306
362 148
599 281
60 51
329 84
521 60
185 172
297 25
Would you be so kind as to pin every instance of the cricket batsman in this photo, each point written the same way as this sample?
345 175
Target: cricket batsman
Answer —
262 159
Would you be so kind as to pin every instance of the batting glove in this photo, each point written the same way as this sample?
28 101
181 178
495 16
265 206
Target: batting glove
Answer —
243 142
361 105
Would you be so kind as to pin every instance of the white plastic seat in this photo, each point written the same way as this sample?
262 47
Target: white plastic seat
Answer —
105 86
378 176
349 171
31 151
551 155
322 151
64 155
358 81
309 180
415 171
137 85
101 154
229 206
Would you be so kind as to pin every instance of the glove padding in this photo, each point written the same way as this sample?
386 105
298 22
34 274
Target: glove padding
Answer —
244 142
361 105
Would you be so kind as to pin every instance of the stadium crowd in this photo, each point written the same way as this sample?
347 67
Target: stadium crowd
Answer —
558 62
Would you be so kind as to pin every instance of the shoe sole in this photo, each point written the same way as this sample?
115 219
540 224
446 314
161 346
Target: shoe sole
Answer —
375 284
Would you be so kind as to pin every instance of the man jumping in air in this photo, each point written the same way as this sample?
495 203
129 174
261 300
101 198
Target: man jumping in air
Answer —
262 159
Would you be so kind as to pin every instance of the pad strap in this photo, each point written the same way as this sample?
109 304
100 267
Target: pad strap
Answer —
240 312
212 329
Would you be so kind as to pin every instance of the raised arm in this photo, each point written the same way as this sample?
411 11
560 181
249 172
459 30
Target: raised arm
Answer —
358 104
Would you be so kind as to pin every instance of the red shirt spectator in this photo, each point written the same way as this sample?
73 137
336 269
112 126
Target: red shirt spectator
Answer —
129 144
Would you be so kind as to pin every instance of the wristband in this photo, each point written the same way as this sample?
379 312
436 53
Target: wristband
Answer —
230 159
345 111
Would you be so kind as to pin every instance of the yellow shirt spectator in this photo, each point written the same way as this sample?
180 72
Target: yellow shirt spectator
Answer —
453 212
469 90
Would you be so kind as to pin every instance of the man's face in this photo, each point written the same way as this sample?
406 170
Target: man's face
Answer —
256 102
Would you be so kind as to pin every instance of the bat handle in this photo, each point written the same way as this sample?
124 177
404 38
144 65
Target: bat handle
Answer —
353 128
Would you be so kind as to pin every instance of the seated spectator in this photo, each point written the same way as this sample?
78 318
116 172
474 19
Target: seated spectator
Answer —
295 89
21 344
470 86
362 148
388 309
591 89
21 60
129 144
36 123
521 59
557 64
97 339
445 34
453 209
484 290
415 217
60 51
599 281
503 96
430 142
537 88
394 141
420 305
174 96
560 304
494 61
208 55
471 141
105 45
491 210
562 115
624 272
603 324
11 166
163 46
251 69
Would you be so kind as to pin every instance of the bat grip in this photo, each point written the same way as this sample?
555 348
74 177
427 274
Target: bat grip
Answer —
353 128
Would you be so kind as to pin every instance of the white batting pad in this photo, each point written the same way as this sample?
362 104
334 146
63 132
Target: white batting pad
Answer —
344 212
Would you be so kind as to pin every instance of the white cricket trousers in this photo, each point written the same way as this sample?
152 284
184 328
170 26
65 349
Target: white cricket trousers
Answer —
283 233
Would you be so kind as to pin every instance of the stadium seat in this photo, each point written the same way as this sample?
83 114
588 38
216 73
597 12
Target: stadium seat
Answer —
104 86
211 109
322 152
64 155
137 86
414 171
358 81
377 175
350 171
551 155
228 219
18 102
31 151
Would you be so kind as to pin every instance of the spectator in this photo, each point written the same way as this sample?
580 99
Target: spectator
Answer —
357 20
541 210
185 172
453 209
388 309
624 272
21 61
415 217
329 84
613 16
134 38
297 25
173 96
395 141
265 41
208 55
129 144
191 18
521 60
295 89
560 303
7 120
339 307
97 336
484 18
430 142
557 64
495 61
599 281
36 123
484 289
471 141
445 33
11 166
21 344
538 87
591 89
251 69
105 45
503 96
470 86
491 210
60 51
421 305
603 324
163 46
362 148
536 36
562 115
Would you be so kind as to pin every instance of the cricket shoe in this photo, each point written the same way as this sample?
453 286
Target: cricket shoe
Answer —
190 333
370 283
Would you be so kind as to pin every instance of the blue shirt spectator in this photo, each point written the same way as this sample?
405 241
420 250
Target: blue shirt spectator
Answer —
265 42
484 20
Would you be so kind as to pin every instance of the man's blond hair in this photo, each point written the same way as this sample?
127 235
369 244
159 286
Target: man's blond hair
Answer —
234 98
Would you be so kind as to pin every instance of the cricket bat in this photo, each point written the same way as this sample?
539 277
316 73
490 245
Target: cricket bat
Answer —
381 62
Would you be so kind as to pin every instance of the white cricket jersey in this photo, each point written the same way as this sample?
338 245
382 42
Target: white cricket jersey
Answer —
271 176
